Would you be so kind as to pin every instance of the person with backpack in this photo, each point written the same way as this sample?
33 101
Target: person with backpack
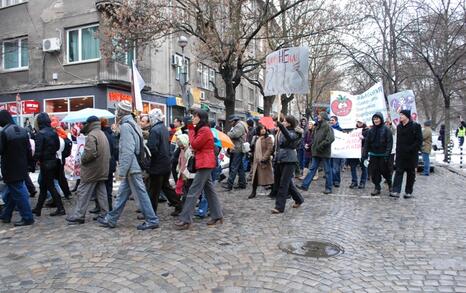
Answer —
94 171
160 162
238 134
408 145
15 152
131 156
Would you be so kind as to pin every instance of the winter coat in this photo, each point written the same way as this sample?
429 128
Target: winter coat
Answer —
238 134
96 156
408 144
262 165
322 141
16 153
113 149
129 146
379 140
202 144
47 142
159 146
308 138
288 142
427 140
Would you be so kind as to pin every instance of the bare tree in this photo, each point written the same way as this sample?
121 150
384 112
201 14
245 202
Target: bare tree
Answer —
437 39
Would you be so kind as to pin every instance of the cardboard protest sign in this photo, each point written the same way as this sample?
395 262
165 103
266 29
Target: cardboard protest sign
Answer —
347 145
287 71
349 107
402 101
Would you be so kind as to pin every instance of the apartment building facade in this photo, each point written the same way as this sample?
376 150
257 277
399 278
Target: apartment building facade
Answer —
51 60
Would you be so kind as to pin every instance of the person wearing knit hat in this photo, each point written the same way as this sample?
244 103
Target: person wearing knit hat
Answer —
426 146
160 163
321 151
94 171
408 145
130 172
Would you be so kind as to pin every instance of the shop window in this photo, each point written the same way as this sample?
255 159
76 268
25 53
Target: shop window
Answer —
80 103
56 105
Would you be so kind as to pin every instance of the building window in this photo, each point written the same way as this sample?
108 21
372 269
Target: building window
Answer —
179 68
83 44
65 105
124 55
5 3
206 74
15 54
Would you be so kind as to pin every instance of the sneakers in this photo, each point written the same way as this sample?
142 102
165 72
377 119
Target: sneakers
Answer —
23 223
336 184
327 191
105 223
74 221
362 186
353 185
147 226
395 194
407 195
375 192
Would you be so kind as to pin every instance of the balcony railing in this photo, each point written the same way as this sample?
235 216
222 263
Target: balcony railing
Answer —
105 4
112 71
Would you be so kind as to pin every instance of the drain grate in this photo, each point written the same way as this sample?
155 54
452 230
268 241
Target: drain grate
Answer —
311 248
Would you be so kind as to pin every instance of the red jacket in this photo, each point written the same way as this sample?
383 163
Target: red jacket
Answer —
202 144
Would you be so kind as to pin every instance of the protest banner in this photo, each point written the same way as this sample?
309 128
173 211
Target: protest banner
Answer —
349 107
402 101
287 71
73 162
347 145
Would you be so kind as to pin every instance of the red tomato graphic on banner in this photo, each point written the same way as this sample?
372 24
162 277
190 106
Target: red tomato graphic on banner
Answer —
341 106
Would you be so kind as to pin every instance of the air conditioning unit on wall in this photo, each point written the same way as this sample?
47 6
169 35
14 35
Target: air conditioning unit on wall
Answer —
51 45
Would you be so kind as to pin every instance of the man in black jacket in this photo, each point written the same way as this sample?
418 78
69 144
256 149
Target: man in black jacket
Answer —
15 150
47 145
408 145
378 147
160 163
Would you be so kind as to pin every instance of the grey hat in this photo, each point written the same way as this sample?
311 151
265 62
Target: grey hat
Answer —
324 115
125 106
234 118
428 123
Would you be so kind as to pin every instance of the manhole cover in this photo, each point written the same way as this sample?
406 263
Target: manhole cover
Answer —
311 248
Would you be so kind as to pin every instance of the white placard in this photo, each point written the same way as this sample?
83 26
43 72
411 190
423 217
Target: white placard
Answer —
347 145
402 101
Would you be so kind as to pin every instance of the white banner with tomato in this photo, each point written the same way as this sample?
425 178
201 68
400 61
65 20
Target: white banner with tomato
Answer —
73 162
402 101
349 107
347 145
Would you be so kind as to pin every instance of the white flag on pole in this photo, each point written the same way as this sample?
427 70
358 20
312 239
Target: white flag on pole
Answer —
138 84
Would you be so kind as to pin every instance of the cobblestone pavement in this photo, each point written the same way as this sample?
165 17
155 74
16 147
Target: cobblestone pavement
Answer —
391 245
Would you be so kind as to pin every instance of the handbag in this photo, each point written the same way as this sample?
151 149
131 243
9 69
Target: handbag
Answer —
191 166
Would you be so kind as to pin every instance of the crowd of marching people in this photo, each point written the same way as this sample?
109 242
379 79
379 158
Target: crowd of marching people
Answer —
181 164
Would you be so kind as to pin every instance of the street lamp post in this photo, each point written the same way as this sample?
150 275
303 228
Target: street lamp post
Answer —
182 42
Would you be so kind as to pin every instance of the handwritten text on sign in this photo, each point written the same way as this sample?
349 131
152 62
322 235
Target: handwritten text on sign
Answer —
347 145
287 71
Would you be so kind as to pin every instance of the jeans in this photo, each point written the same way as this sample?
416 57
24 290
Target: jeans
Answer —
354 164
286 186
336 169
133 184
306 162
236 167
17 196
410 178
426 160
312 171
301 158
